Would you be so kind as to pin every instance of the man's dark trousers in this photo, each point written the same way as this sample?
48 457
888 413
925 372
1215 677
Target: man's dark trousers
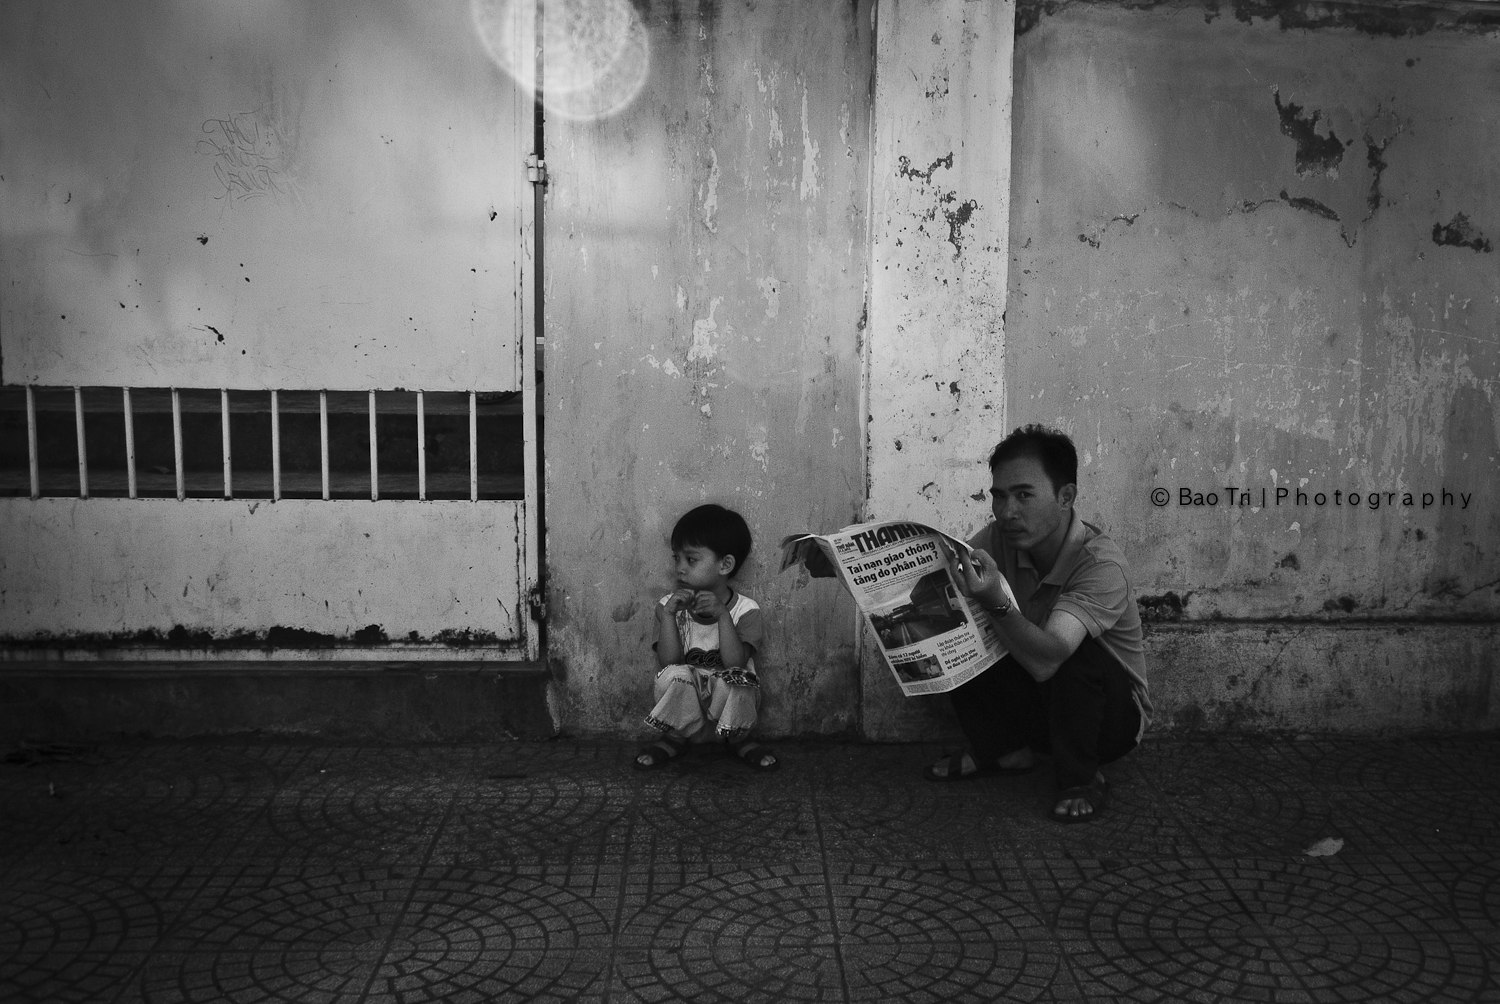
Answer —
1084 716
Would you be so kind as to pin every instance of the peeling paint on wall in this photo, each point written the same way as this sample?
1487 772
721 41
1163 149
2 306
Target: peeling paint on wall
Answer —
1302 307
937 278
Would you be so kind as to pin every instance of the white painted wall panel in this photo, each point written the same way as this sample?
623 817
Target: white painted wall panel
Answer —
93 569
277 194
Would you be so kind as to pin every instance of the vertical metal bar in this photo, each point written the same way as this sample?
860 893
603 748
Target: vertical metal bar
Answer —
275 448
177 443
421 450
224 427
83 451
473 446
374 455
31 454
530 334
323 437
130 480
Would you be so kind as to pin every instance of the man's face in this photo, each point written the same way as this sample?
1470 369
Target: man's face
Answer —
1026 508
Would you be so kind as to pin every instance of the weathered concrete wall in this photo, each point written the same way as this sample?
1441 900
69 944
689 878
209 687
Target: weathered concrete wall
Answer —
940 179
1259 254
705 254
257 196
299 572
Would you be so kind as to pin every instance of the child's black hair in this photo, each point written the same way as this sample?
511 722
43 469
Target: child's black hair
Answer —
1052 449
722 531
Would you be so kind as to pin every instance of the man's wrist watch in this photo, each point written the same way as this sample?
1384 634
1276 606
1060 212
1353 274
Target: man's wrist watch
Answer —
1001 610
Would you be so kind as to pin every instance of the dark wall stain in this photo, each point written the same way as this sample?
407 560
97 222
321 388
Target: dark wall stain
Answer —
1305 205
1309 206
1367 18
1290 561
1460 233
1314 152
465 638
1375 157
372 634
1345 603
181 636
288 637
905 170
1166 607
956 220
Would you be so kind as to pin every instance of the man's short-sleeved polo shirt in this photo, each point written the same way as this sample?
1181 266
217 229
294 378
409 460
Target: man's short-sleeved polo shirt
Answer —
1091 581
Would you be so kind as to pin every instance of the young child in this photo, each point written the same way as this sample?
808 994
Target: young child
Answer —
707 636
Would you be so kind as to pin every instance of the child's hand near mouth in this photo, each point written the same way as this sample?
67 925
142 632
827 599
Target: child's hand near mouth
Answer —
706 607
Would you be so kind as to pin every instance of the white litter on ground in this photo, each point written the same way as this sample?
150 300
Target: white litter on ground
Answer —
1325 848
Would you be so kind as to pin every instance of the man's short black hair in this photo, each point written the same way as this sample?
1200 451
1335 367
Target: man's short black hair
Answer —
722 531
1051 448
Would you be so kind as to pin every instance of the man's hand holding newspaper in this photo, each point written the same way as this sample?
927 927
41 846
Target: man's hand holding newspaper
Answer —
981 578
919 590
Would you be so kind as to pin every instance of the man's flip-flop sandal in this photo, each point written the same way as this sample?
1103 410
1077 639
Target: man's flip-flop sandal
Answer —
757 756
955 771
659 753
1096 795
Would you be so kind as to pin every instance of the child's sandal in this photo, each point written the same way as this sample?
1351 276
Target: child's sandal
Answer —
659 753
757 756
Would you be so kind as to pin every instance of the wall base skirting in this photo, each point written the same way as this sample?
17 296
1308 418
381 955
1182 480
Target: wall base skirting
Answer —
478 702
1247 677
1369 678
1373 678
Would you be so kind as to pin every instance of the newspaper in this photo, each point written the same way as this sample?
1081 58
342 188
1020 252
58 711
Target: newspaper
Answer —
933 637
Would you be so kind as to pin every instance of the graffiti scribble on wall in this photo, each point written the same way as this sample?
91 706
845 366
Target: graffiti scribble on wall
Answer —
594 53
252 154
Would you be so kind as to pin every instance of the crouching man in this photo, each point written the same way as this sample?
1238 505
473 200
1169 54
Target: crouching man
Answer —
1074 683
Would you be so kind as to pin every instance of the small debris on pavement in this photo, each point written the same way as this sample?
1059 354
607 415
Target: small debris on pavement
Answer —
1325 848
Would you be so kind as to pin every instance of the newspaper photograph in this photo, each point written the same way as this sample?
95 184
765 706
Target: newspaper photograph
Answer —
933 637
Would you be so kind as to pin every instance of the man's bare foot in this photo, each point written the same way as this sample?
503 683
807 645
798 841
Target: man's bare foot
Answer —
954 765
962 766
1084 803
1021 759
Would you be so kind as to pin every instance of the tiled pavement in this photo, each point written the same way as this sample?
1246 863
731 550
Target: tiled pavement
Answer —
261 871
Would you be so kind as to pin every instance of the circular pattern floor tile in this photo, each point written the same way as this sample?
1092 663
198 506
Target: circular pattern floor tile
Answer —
1476 896
734 816
1267 933
364 825
333 939
905 822
878 935
1249 817
67 914
1389 766
530 816
1430 817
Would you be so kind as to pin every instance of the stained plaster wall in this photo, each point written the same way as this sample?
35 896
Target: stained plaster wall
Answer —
1260 253
940 182
706 251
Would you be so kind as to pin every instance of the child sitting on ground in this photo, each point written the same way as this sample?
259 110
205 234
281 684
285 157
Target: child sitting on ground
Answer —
707 636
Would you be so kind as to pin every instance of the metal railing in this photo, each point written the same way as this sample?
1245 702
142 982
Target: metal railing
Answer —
334 480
